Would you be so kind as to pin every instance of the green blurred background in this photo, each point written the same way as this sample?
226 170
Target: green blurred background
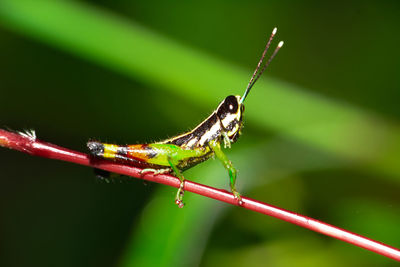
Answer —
321 136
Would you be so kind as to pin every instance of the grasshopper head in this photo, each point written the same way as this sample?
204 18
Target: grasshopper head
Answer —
230 113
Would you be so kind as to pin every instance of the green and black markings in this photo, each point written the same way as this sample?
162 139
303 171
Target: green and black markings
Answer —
184 151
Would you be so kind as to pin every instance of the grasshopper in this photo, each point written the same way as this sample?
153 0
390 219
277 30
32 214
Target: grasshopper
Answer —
184 151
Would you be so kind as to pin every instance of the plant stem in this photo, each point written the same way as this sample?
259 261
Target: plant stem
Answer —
28 143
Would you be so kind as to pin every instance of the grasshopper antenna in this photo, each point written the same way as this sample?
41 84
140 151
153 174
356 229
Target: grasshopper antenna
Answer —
257 73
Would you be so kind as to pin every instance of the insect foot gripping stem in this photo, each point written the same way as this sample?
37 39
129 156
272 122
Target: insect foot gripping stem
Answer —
179 196
237 196
232 176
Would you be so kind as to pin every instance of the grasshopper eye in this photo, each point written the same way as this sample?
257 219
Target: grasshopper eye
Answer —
231 104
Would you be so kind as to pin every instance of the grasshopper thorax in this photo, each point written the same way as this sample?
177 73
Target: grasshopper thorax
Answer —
230 113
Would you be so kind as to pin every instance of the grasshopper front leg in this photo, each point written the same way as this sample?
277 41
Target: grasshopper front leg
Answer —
216 147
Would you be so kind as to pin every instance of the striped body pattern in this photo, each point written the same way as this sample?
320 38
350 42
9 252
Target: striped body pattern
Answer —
155 156
184 151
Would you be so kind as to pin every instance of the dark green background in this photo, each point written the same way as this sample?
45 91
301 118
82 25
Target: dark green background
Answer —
343 57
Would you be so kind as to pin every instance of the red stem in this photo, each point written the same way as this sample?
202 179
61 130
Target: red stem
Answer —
30 145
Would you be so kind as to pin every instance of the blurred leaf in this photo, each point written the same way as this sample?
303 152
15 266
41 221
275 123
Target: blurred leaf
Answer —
300 251
166 234
131 49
